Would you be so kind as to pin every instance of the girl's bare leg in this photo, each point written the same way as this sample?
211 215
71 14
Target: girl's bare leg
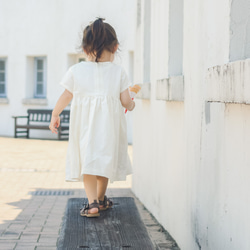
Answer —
90 185
102 183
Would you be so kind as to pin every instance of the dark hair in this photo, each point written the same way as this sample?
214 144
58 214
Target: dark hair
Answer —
97 37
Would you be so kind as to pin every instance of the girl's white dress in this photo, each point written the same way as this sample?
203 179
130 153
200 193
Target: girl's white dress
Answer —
98 129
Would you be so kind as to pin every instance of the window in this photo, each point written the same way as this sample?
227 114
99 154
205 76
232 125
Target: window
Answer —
40 77
239 30
2 77
138 12
175 37
147 42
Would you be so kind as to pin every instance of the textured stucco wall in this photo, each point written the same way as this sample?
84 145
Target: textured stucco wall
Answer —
221 216
191 158
229 82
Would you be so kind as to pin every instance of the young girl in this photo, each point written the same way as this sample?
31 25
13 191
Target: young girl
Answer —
98 88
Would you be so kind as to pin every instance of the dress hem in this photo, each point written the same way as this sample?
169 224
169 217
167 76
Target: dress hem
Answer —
80 179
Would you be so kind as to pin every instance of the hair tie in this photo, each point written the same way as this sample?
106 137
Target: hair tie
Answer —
100 19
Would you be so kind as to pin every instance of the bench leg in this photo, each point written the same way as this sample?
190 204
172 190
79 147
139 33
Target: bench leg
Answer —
15 132
28 135
59 133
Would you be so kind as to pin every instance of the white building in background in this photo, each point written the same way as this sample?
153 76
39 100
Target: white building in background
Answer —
191 144
39 41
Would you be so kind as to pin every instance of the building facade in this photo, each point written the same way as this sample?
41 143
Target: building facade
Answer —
192 120
40 40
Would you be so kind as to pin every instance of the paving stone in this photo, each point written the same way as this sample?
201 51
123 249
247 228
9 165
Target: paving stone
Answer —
36 223
48 239
54 224
16 227
49 233
32 229
24 247
7 245
10 235
29 237
46 248
51 229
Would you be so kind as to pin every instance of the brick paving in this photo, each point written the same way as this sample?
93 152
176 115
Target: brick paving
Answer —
33 195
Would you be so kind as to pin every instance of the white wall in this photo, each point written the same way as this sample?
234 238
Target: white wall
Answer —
222 204
53 29
191 158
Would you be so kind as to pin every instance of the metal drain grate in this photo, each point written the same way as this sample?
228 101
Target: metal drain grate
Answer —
52 193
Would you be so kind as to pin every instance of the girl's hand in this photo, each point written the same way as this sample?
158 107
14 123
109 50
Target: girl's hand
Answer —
54 123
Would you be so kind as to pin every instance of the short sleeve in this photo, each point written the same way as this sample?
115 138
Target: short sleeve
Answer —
125 83
68 81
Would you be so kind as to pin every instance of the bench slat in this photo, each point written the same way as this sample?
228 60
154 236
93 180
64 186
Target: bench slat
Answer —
33 126
20 116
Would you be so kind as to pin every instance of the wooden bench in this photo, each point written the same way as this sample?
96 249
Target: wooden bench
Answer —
40 119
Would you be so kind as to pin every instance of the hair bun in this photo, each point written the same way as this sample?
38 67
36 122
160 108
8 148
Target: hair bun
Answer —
100 19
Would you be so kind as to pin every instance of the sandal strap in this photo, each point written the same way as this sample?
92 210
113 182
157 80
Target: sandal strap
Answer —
88 206
95 204
110 202
104 202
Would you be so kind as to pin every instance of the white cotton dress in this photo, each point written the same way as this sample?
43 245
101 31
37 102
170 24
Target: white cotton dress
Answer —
98 130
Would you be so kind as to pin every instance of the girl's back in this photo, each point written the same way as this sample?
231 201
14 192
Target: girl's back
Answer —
96 79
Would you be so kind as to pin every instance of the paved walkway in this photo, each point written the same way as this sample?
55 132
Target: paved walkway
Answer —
33 195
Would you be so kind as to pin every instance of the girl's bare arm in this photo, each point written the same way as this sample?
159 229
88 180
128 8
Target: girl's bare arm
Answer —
62 102
126 100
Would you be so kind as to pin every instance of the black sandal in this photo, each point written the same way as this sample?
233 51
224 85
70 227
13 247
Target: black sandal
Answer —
85 210
106 203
